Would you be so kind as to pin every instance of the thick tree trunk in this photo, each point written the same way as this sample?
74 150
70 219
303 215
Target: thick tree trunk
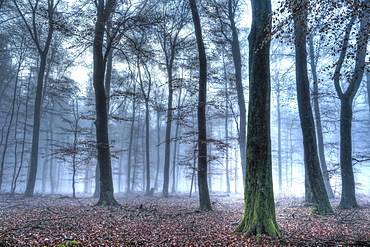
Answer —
204 199
106 196
259 206
319 196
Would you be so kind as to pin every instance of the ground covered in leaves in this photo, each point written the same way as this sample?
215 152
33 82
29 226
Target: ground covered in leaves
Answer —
154 221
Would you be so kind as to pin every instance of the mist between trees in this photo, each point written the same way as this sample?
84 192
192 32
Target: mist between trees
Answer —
112 89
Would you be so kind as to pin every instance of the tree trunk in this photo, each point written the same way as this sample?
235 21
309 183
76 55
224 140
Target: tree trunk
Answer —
237 58
259 206
227 170
368 87
167 154
320 138
319 196
204 199
146 96
348 197
43 52
130 146
106 196
10 125
280 165
32 172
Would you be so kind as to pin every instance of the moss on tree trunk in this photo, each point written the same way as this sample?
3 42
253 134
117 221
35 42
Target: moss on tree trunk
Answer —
259 206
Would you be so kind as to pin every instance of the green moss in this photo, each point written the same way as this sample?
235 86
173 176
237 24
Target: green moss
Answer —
72 243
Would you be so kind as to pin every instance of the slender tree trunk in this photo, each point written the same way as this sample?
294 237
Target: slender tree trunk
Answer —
130 147
31 180
24 134
204 199
259 206
311 158
147 147
10 125
237 58
280 165
167 154
147 125
175 151
320 138
227 172
43 52
158 150
368 87
348 197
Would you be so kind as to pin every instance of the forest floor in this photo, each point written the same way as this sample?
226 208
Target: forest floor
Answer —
57 220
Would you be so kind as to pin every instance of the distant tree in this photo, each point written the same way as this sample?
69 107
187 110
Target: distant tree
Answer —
226 13
42 42
259 206
175 16
204 199
145 82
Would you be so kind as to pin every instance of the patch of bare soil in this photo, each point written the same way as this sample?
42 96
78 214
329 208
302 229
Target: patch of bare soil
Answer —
155 221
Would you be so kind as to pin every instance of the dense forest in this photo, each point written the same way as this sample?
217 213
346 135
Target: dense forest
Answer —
164 97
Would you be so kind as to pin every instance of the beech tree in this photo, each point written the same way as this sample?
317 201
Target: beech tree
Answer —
319 128
42 43
225 12
104 10
259 206
346 95
311 158
175 17
204 199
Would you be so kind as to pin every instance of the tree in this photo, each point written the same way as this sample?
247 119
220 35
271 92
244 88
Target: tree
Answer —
259 206
42 47
230 12
348 197
320 138
175 18
146 95
311 158
204 199
104 10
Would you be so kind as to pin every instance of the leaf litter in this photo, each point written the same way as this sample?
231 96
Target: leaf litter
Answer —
53 220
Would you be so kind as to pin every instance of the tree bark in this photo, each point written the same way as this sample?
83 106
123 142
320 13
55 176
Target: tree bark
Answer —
320 138
319 196
106 196
348 197
204 199
259 206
